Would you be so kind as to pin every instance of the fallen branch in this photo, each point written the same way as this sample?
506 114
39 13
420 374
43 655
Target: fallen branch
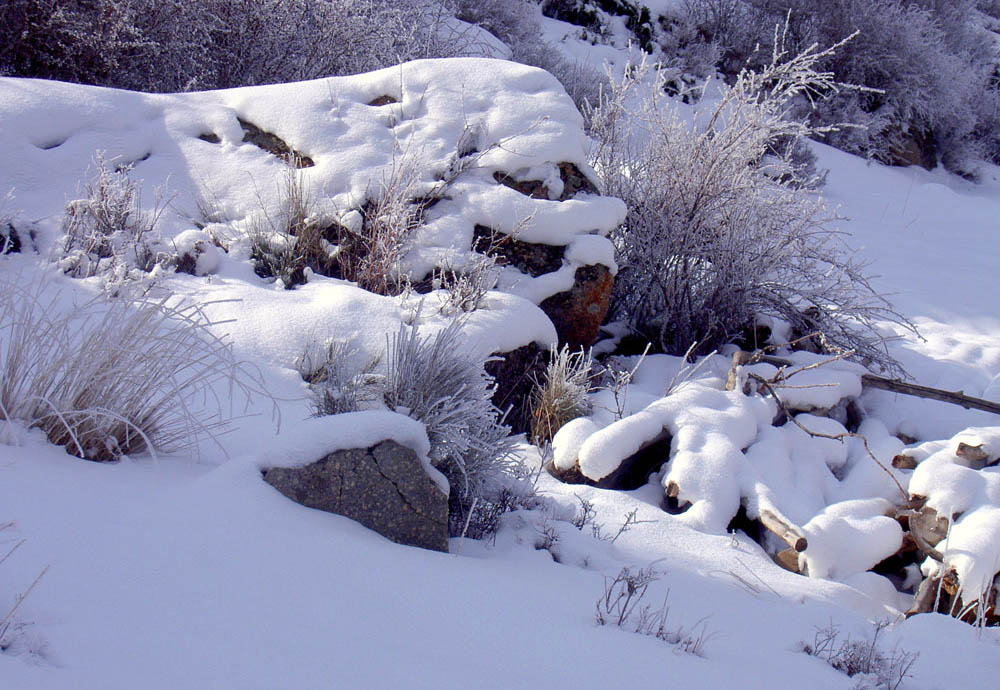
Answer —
953 397
923 600
767 385
787 532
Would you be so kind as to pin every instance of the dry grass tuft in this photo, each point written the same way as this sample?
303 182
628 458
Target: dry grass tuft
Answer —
563 395
113 377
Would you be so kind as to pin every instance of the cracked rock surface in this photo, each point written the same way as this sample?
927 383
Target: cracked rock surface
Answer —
385 488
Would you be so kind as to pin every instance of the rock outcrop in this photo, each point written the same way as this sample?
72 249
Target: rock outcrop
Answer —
385 488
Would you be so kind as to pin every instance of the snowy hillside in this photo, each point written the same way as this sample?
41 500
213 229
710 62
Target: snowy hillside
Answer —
183 569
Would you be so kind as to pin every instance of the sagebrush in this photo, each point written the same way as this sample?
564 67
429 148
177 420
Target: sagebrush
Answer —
10 625
930 67
865 660
623 605
721 228
175 45
437 381
337 385
106 231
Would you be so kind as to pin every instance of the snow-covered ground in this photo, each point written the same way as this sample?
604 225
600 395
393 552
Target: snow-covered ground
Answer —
190 572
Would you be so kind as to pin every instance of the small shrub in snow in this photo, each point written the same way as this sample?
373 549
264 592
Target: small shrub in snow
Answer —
466 289
107 233
393 211
622 605
562 396
10 238
337 385
517 23
864 660
719 229
289 245
112 377
433 380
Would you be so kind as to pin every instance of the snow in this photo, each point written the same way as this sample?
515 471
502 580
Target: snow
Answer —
192 572
813 388
864 525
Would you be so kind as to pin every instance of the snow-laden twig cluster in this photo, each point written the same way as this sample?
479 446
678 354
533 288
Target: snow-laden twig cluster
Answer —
107 232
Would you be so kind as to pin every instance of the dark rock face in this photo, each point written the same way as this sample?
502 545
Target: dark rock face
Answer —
533 259
578 313
274 145
573 181
515 375
385 488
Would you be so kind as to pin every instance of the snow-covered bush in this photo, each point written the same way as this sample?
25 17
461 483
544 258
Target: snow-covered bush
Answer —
623 606
865 660
294 40
11 627
719 230
112 378
562 396
465 290
284 246
106 231
435 381
393 210
931 65
337 385
70 41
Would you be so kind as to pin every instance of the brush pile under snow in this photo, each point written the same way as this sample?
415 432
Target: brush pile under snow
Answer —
838 490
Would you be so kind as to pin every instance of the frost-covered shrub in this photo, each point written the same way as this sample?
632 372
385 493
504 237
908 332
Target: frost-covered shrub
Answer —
562 395
112 378
303 39
70 41
465 290
622 605
170 45
588 14
928 65
436 381
873 667
719 231
286 245
106 232
11 627
392 212
336 383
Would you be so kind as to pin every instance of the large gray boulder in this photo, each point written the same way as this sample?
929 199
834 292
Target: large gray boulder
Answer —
385 488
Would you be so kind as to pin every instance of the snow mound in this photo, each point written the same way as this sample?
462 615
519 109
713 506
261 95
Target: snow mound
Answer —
211 167
462 119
